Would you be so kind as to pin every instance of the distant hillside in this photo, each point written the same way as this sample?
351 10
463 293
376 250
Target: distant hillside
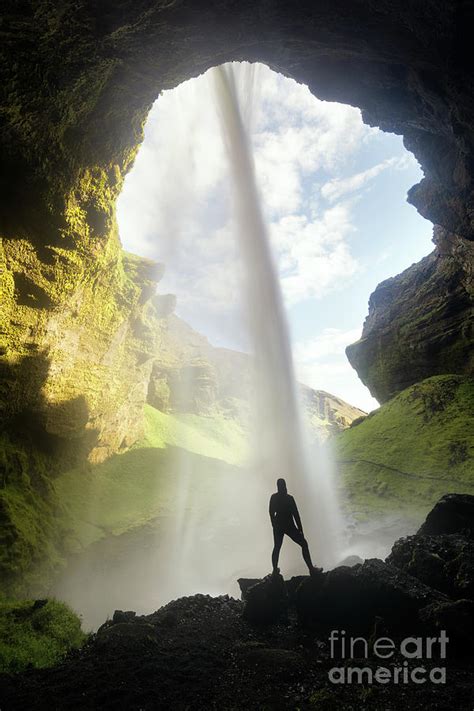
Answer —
193 376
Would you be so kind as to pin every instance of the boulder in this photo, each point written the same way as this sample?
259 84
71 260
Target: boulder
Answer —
245 584
444 562
266 602
454 513
292 586
121 616
352 598
126 636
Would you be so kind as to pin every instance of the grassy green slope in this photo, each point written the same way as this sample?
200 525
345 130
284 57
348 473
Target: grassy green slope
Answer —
414 449
212 436
130 489
36 635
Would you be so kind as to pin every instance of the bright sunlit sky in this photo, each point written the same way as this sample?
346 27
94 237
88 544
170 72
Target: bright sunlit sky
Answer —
334 196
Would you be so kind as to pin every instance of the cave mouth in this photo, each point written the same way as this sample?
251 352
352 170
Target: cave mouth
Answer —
323 176
334 195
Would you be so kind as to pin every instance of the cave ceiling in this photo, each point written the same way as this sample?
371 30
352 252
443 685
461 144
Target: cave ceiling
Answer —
78 78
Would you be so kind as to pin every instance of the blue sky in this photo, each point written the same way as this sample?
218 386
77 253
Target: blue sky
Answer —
334 196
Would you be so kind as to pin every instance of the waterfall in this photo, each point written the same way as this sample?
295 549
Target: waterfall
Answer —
281 439
206 523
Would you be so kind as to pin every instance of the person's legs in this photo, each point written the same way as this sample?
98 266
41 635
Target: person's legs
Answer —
298 538
278 540
306 555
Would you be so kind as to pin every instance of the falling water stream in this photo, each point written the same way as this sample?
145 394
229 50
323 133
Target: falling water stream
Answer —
282 443
211 524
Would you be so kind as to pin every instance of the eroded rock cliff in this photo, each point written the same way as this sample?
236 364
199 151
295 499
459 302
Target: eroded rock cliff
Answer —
78 335
421 322
76 346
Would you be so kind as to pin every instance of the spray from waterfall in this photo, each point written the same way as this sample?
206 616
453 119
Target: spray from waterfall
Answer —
282 443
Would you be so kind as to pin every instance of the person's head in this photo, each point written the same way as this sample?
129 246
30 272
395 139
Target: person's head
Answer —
281 486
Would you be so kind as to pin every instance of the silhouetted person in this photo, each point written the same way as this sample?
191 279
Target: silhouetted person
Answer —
285 519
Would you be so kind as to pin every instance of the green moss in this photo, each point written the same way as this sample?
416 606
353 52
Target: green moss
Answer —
29 534
79 319
411 451
36 634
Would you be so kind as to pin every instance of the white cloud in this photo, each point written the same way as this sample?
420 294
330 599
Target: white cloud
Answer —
297 135
314 256
337 188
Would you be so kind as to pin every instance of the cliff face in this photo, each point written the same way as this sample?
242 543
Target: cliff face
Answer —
420 323
190 375
74 344
77 340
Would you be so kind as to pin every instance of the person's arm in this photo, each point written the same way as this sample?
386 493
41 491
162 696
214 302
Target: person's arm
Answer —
296 516
271 509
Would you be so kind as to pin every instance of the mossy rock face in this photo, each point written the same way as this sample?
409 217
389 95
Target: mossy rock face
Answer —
413 450
77 340
30 537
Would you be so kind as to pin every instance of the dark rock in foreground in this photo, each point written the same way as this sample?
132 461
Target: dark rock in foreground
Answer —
353 598
246 583
454 513
272 650
266 601
456 619
269 599
132 635
445 562
199 653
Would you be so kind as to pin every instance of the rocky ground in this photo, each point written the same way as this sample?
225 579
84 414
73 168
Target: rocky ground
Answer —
272 650
198 653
